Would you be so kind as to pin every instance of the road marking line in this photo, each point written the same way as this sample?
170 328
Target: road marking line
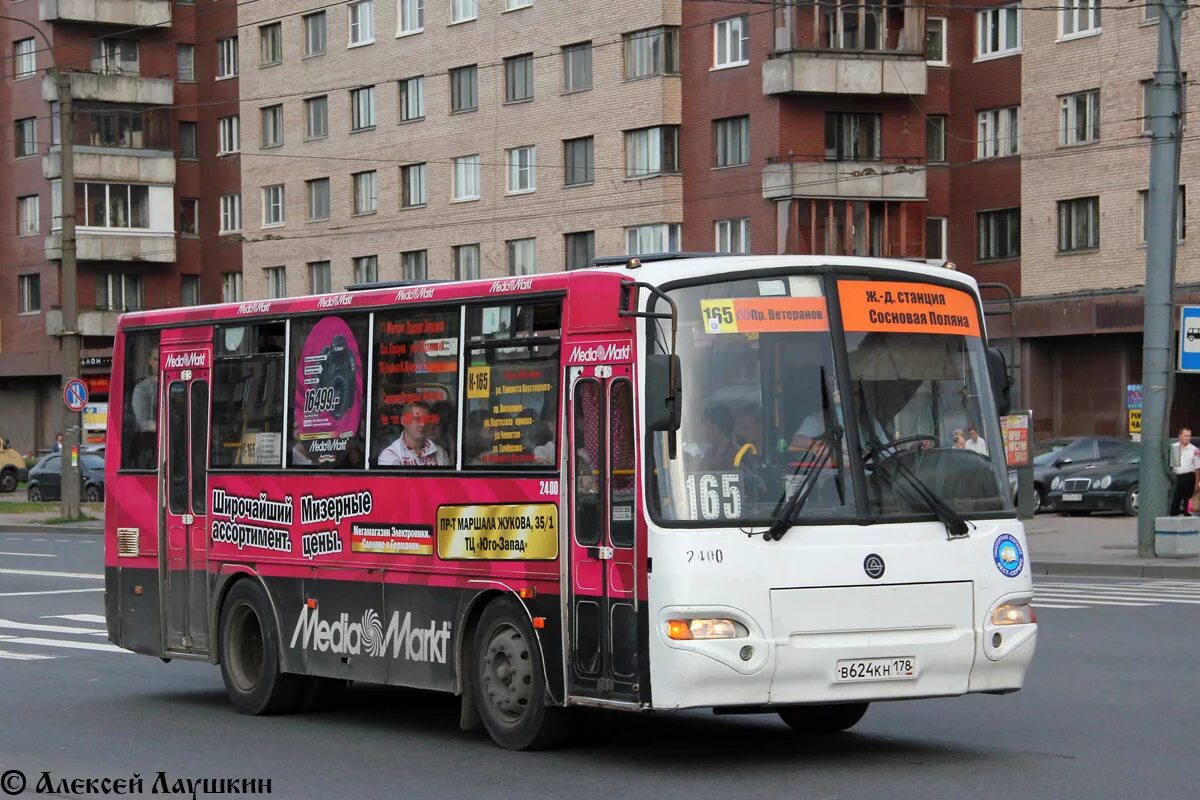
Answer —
1040 606
33 626
93 576
24 656
50 591
78 617
31 555
1077 598
39 540
1156 599
108 648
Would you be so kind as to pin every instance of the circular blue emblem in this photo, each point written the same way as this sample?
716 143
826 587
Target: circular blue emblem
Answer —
1006 552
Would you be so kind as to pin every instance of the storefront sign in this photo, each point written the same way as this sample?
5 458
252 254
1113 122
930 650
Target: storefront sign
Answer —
1135 421
96 362
1015 428
1133 395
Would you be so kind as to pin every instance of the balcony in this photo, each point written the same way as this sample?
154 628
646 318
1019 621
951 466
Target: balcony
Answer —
115 245
114 88
129 13
858 180
870 228
118 165
854 47
89 323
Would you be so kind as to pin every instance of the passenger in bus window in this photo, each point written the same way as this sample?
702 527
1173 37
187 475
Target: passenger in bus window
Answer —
719 449
145 397
440 426
413 447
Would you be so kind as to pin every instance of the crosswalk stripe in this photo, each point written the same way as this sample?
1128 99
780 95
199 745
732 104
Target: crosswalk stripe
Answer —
24 656
1146 593
1089 597
70 645
32 626
31 555
78 617
1040 606
51 591
94 576
1117 587
1090 601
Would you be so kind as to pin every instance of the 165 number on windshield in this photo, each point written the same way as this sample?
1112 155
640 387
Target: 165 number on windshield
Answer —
714 495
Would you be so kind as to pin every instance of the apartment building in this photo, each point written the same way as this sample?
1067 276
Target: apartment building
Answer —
1084 182
404 139
143 76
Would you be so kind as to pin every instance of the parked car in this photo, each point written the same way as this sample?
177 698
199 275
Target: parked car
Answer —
1050 456
45 479
12 467
1101 486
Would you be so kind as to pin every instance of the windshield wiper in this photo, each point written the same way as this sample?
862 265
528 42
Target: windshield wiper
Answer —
788 509
956 526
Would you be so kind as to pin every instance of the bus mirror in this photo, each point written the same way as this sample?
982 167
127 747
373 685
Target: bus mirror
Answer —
663 393
1000 380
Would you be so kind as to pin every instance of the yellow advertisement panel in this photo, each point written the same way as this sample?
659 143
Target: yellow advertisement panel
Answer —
527 532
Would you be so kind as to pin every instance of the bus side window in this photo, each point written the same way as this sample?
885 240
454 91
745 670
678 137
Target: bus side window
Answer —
139 415
588 467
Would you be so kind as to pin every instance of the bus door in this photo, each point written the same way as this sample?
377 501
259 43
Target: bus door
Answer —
184 387
602 629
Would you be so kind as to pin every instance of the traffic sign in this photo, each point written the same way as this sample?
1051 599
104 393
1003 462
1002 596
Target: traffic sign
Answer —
1189 339
75 394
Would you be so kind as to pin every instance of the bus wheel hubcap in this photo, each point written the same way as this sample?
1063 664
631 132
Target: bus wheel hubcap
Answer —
246 649
508 673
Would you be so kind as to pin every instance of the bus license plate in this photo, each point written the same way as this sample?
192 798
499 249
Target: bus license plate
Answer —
1072 498
876 669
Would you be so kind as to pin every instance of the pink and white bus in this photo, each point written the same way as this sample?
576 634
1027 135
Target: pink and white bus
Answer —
728 482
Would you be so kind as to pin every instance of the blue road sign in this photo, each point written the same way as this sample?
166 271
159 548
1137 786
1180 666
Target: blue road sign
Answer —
75 394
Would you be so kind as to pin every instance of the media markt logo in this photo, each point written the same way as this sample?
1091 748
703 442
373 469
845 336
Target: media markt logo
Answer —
367 637
601 352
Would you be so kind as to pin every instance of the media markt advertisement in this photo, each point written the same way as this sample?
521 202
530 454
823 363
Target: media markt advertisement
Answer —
519 532
328 399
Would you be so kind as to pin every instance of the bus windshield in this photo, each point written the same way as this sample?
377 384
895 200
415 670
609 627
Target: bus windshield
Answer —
765 409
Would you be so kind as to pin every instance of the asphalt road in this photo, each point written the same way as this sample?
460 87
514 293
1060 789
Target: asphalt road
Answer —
1110 711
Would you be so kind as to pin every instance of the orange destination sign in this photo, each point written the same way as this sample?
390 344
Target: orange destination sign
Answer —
891 306
764 315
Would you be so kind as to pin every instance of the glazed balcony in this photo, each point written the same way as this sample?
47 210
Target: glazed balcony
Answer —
128 13
866 180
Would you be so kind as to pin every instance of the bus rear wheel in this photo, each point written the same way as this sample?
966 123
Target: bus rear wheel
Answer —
250 654
509 684
816 720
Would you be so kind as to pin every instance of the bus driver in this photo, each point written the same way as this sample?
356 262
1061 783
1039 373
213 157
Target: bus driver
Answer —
414 448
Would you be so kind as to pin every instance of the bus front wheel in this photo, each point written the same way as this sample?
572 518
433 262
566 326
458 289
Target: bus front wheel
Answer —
250 654
509 684
812 720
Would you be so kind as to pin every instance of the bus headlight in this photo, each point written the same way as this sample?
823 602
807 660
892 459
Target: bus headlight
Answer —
1054 484
705 628
1106 482
1015 613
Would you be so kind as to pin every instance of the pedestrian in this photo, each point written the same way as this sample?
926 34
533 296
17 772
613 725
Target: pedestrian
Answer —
975 443
1184 464
57 448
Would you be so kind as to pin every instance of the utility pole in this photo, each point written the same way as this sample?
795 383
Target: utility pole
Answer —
73 429
1161 237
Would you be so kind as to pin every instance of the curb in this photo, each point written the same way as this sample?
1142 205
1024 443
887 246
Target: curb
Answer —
37 527
1186 571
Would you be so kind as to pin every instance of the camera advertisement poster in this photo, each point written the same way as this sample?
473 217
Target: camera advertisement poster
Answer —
328 400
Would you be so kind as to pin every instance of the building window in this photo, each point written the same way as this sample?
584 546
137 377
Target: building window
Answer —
578 165
999 133
362 108
999 234
316 34
231 287
647 239
116 292
276 281
231 213
732 138
654 51
935 41
463 10
935 139
230 138
580 249
316 117
466 178
1080 18
414 265
522 256
935 239
652 151
522 169
577 67
412 99
189 213
272 126
30 290
26 137
115 56
731 42
270 38
732 235
187 141
318 199
1180 212
466 262
1148 93
366 269
366 194
273 205
1078 224
29 215
24 59
320 278
852 137
513 5
189 290
518 78
463 82
412 16
112 205
185 56
998 31
362 22
1079 118
227 58
412 177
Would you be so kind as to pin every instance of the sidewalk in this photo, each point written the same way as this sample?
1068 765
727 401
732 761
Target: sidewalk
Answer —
1097 545
35 522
